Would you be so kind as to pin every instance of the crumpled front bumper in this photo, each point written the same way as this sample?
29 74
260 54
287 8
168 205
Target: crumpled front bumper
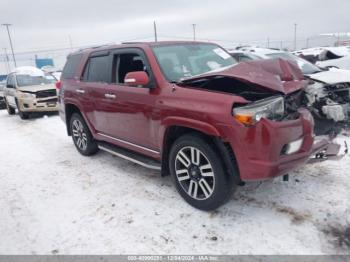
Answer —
48 104
259 150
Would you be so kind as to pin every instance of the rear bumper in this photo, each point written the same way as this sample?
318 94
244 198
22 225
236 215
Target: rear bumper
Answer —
259 150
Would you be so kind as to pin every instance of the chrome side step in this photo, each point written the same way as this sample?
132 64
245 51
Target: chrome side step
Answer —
129 155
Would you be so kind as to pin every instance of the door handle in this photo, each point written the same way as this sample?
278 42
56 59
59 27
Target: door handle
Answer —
110 96
80 91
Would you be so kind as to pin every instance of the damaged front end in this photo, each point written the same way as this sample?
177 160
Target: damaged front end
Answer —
329 104
277 90
273 89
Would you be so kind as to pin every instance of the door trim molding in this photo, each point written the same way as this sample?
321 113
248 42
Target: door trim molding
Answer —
130 144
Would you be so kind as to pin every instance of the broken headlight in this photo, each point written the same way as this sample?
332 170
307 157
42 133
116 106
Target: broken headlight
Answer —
26 95
271 108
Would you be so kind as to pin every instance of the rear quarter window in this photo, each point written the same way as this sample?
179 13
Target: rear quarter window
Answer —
98 70
71 66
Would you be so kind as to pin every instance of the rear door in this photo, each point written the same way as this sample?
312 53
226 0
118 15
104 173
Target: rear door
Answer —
94 83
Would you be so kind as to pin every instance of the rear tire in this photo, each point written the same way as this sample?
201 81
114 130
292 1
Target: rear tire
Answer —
199 173
10 110
81 135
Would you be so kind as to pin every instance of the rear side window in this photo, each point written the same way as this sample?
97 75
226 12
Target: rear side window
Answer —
98 70
71 66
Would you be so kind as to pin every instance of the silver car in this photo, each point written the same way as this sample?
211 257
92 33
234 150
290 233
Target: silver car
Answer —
28 90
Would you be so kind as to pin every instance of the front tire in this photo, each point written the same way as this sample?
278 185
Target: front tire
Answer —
199 173
23 115
10 110
82 137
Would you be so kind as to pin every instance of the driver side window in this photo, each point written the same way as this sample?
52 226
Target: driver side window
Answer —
126 63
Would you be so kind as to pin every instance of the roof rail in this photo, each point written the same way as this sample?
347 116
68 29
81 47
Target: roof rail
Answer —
92 47
130 43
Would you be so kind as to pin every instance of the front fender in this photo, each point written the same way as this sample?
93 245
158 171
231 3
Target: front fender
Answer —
197 125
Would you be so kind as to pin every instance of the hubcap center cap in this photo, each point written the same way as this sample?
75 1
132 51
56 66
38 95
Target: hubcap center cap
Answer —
194 172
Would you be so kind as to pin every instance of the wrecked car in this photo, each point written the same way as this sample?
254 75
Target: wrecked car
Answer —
29 91
190 110
327 57
327 95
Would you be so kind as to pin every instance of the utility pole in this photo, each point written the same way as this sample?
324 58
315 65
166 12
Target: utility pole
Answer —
7 61
307 42
194 32
8 32
338 40
281 45
268 42
155 31
295 36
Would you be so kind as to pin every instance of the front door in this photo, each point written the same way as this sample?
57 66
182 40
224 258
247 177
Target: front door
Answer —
132 116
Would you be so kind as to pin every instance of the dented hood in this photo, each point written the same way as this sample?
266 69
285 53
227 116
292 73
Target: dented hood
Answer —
272 75
332 76
36 88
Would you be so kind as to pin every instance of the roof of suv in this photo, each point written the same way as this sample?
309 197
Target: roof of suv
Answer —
135 44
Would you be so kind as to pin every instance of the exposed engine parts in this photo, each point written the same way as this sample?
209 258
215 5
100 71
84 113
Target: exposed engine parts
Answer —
329 105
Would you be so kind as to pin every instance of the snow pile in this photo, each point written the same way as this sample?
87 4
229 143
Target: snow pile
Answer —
55 201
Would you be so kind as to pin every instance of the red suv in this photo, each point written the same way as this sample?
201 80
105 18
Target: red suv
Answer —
188 109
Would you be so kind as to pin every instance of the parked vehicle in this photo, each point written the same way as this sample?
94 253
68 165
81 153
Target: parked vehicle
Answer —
188 109
327 96
2 100
327 57
242 56
28 90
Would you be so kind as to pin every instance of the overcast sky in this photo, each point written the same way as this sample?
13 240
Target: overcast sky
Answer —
44 24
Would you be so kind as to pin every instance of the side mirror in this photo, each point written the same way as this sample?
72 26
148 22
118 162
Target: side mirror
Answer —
138 78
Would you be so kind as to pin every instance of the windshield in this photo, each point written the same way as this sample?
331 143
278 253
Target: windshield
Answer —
28 80
50 77
306 67
180 61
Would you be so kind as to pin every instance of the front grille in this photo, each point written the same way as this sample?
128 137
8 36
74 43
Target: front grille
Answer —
51 100
46 93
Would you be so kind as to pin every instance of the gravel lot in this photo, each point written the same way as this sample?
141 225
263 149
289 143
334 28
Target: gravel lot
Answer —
55 201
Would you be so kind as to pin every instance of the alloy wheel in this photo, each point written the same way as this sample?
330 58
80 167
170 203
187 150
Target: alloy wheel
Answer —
194 173
79 134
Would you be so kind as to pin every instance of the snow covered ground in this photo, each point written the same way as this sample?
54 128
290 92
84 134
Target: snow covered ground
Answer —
55 201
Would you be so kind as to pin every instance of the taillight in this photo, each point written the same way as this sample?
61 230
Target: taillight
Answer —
58 84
